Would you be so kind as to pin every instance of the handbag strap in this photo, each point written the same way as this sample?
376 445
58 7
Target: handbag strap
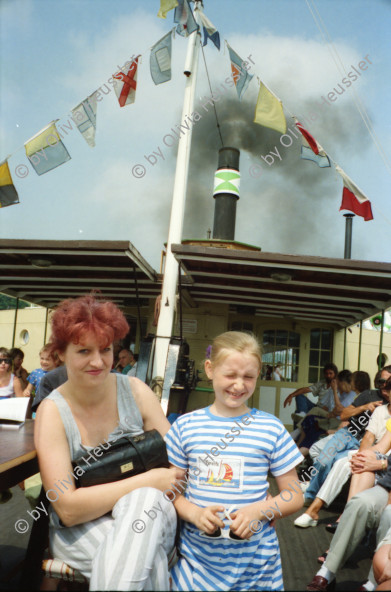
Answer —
135 441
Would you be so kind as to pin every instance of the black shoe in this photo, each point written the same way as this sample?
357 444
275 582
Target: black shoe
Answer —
332 527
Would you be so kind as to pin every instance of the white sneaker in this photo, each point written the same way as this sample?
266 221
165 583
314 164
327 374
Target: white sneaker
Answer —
304 485
304 521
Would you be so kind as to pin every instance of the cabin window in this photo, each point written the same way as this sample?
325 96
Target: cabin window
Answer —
320 353
281 347
242 326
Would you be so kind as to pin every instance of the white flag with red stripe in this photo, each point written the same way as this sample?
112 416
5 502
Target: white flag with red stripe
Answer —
353 199
125 84
311 149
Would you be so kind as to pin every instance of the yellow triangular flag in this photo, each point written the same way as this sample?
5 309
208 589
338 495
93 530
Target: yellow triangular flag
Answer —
268 111
166 6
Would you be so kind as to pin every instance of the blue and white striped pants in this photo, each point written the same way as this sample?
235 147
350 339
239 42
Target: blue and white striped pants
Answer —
126 550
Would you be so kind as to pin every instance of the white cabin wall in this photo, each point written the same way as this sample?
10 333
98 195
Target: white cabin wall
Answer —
201 325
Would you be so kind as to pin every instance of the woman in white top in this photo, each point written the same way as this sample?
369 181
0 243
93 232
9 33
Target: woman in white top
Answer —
9 384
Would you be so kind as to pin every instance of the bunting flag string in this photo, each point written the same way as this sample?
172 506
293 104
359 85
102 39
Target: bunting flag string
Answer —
46 151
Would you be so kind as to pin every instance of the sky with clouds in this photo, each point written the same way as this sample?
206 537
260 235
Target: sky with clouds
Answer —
56 53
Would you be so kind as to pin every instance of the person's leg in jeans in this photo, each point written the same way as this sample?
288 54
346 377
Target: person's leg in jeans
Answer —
337 447
303 404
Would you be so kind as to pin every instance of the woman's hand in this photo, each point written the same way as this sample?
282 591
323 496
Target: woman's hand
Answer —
206 519
172 479
365 461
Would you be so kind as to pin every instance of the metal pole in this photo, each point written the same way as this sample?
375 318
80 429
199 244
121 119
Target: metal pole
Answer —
344 348
348 236
381 341
15 320
359 347
46 326
166 316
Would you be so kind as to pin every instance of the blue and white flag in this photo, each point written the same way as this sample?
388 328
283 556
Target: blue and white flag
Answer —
84 116
160 60
241 77
210 31
45 150
184 17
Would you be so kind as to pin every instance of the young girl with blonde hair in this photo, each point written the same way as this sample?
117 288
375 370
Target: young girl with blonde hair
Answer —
227 539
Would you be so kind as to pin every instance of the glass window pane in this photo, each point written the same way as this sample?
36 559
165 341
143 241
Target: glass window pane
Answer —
268 337
324 357
315 339
313 375
294 339
281 337
314 357
326 339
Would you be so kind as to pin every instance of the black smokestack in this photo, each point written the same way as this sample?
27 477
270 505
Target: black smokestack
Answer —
226 193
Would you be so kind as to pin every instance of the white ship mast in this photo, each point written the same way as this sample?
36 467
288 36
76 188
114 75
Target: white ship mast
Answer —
170 281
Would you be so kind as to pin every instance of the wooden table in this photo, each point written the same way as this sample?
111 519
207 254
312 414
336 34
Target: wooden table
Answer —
18 457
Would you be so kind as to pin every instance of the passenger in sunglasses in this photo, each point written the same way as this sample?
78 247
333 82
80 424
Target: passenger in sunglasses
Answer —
9 384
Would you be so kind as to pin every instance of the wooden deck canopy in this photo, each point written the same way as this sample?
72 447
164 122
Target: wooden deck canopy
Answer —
336 291
47 271
339 292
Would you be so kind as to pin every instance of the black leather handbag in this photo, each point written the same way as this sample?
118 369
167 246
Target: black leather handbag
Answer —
125 457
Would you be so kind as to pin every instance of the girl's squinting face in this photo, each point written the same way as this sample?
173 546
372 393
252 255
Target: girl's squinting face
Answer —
234 380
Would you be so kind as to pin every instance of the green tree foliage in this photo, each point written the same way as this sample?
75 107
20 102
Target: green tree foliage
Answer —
8 302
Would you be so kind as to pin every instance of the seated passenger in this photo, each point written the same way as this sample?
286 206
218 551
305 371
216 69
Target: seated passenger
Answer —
340 395
99 530
368 509
17 356
319 389
48 361
361 421
382 563
9 384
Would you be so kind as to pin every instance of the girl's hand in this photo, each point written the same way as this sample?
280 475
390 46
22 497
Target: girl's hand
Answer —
206 519
243 518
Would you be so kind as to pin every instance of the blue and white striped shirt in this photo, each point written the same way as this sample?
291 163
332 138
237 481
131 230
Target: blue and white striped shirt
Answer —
228 459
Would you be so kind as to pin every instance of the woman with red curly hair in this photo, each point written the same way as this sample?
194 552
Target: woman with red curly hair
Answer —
103 531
